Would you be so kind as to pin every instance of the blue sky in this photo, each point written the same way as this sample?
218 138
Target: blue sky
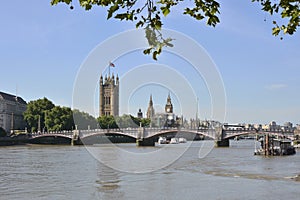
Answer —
43 47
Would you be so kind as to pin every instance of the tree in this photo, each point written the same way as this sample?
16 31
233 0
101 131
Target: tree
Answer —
124 121
148 15
56 118
140 122
59 118
36 111
129 121
84 120
145 122
106 122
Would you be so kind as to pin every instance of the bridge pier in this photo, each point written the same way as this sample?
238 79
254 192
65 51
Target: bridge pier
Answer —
146 142
222 143
143 142
75 137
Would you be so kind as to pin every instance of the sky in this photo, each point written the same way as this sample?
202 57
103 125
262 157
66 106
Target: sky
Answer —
45 49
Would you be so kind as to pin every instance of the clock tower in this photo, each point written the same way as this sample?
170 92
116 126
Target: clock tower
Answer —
169 106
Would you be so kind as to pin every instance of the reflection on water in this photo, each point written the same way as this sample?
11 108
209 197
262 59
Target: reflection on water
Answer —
108 183
66 172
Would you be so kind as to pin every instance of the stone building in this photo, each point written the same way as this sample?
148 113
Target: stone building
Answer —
169 106
165 119
150 110
109 96
140 114
11 112
170 116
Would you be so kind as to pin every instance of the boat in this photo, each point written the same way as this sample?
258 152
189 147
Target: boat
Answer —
275 147
162 140
182 140
174 141
296 143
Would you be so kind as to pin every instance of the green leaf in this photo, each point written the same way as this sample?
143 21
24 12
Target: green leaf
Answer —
165 11
139 24
275 31
111 10
154 56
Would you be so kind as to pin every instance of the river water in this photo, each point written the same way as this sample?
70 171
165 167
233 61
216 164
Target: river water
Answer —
74 172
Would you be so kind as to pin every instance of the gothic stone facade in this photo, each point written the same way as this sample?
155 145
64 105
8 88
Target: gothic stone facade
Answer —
11 112
109 96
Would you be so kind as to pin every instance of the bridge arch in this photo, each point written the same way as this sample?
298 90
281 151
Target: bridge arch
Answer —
50 139
107 137
188 134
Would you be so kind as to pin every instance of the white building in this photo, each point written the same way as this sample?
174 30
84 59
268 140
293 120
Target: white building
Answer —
271 126
11 112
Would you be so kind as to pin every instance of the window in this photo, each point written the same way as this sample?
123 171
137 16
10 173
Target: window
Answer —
107 100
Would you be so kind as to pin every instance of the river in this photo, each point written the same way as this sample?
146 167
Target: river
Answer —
74 172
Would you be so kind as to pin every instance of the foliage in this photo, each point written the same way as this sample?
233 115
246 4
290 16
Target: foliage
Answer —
56 118
2 132
124 121
145 122
129 121
84 120
106 122
288 9
59 118
37 109
138 121
149 14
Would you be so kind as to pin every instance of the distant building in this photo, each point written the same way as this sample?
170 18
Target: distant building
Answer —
258 126
271 126
168 118
150 110
169 106
249 126
297 131
11 112
288 126
109 96
140 114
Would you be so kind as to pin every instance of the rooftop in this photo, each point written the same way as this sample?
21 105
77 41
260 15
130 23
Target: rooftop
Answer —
10 97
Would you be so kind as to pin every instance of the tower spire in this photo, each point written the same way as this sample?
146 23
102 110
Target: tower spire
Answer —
150 110
151 102
169 98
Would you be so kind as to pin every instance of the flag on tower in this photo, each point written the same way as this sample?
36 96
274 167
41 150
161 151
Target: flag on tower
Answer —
111 64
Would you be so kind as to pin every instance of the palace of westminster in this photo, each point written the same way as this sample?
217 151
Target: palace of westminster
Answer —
109 103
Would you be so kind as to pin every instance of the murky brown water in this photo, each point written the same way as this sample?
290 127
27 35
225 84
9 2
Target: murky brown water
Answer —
71 172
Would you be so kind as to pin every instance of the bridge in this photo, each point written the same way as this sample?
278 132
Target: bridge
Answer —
148 136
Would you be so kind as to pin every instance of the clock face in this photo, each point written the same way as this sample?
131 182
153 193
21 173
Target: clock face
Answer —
168 109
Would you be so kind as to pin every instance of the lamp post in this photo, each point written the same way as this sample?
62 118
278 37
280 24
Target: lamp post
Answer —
39 124
12 124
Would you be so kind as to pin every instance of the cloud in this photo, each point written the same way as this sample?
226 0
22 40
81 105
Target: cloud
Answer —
275 86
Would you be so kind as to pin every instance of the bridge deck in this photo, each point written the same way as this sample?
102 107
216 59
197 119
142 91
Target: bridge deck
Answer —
226 133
